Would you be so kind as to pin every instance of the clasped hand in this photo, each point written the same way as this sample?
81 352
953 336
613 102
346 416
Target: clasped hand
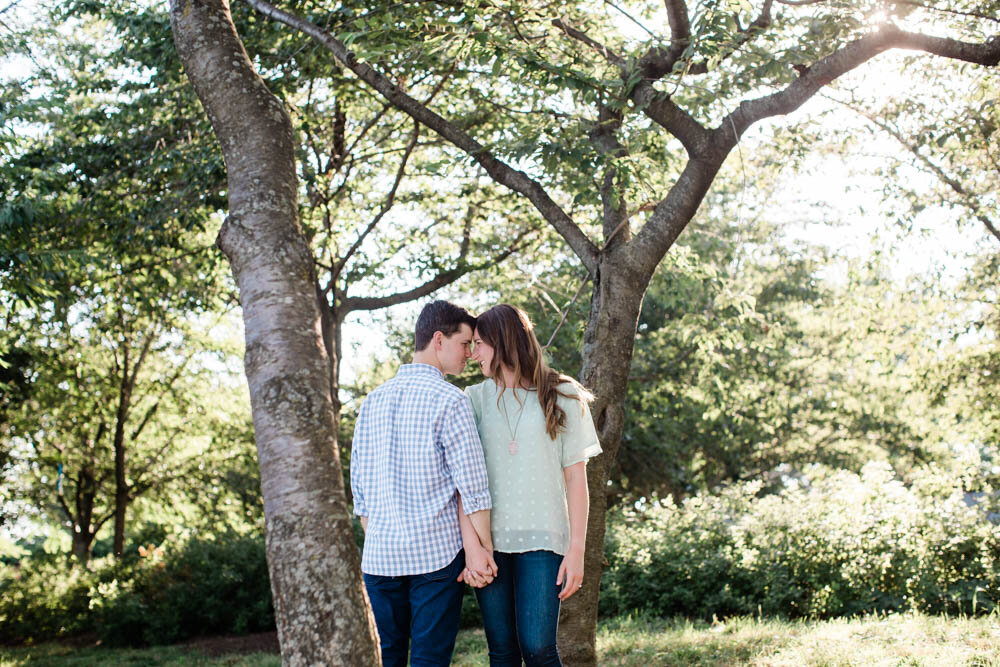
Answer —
480 568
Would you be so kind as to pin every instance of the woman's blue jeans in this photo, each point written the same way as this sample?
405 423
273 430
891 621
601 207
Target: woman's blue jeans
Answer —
521 609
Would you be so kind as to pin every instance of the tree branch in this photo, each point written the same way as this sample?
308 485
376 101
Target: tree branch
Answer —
756 27
841 61
147 344
139 477
680 25
351 304
639 24
470 215
100 522
386 206
661 109
581 36
167 386
671 215
957 187
657 61
496 168
655 104
602 134
956 12
65 507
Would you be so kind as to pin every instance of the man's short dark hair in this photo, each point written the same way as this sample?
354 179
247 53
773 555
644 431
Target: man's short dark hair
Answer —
440 316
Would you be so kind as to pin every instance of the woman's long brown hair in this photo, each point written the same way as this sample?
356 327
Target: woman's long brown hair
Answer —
508 330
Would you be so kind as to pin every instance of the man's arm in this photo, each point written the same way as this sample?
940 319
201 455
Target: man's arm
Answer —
357 467
464 459
480 568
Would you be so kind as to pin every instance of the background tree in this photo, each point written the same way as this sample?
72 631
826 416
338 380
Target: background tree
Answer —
101 253
115 411
946 160
975 378
372 185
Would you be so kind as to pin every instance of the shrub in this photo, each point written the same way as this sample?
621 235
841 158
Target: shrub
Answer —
41 600
153 595
205 587
844 545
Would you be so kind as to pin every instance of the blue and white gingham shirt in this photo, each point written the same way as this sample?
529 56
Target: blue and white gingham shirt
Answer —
415 444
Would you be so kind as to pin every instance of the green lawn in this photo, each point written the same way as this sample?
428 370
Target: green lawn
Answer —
907 639
64 656
896 640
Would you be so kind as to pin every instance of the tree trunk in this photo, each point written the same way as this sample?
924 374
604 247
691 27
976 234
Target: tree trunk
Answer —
322 613
82 525
121 485
121 491
81 546
608 343
331 328
333 333
333 339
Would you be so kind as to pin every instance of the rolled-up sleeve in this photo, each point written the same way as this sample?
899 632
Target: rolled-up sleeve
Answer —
463 453
359 447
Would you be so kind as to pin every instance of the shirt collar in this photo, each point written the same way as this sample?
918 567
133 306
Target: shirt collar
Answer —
420 369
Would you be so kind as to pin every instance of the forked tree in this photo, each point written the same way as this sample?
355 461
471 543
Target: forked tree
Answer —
619 120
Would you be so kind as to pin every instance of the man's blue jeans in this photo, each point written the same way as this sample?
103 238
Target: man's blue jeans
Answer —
521 609
424 607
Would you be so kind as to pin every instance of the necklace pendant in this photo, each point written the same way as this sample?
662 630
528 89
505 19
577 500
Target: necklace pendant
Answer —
512 447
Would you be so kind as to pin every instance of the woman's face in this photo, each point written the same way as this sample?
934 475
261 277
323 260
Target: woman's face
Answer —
482 354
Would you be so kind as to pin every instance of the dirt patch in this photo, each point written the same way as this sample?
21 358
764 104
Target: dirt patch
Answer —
262 642
87 640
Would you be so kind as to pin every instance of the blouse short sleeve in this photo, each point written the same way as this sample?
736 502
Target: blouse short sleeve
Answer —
579 441
473 394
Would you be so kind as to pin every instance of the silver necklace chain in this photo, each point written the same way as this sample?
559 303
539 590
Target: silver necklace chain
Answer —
512 445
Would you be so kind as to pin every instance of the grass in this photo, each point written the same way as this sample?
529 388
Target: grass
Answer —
54 655
895 640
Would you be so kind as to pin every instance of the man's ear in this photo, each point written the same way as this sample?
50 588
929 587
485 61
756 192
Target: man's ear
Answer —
437 339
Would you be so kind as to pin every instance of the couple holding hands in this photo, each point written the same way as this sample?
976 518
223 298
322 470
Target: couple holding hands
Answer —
486 486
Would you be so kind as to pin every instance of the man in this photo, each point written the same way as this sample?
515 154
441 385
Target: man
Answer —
415 449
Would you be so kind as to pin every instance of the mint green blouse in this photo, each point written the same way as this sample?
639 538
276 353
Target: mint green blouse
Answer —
526 480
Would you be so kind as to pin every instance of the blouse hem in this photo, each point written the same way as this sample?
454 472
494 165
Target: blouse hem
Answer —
525 550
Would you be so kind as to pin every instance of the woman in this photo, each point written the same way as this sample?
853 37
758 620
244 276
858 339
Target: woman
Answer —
537 435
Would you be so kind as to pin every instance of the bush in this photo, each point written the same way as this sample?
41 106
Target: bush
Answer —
844 545
40 600
216 586
153 595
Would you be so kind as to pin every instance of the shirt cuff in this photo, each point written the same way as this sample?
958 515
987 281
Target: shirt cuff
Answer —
477 503
588 453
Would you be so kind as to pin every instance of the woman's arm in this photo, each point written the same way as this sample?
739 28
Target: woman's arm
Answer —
578 500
